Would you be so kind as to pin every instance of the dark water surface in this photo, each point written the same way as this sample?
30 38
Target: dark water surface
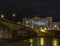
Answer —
37 41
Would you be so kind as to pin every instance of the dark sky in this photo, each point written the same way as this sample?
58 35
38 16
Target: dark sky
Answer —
30 8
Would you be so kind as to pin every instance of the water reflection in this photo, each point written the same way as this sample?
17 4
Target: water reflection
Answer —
31 42
41 41
55 42
37 41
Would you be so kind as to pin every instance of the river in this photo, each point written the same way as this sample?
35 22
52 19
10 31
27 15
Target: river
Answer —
36 41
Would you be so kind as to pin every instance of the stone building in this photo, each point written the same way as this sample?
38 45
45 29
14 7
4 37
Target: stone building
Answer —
44 23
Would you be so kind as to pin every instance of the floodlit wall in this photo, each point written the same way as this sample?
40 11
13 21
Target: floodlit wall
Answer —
45 22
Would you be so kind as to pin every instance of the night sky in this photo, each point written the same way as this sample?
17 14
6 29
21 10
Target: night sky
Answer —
30 8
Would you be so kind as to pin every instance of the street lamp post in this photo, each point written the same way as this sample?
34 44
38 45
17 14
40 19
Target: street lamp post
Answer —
13 16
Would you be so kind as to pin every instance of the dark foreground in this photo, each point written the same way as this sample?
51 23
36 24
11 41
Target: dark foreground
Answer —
36 41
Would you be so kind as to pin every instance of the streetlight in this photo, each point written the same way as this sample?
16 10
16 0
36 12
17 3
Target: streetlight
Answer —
55 25
27 22
13 16
2 16
42 30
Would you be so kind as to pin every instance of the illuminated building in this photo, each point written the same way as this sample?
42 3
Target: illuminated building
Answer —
44 23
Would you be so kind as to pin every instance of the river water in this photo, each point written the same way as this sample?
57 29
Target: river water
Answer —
36 41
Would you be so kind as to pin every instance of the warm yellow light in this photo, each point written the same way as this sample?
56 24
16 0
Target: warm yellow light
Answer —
26 21
2 16
55 42
45 29
55 25
14 15
31 42
31 45
42 30
42 41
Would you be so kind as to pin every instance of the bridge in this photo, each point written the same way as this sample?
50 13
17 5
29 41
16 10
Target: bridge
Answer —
11 30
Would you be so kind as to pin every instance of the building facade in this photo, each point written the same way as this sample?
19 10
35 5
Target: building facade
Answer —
5 32
44 23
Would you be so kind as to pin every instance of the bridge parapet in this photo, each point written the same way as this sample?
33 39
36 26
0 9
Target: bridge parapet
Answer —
9 23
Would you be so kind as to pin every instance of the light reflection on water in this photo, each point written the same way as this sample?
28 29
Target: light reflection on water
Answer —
41 41
37 41
55 42
31 42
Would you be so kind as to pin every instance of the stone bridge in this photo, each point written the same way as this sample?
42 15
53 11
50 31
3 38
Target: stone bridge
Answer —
14 30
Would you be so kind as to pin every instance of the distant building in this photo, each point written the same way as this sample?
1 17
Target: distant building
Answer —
44 23
5 32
